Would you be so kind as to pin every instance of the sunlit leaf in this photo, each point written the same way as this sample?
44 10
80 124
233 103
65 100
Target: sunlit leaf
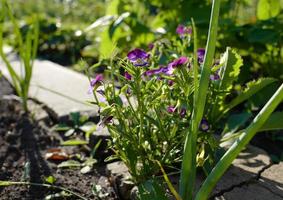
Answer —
74 142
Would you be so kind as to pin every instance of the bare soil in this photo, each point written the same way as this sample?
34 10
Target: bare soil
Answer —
23 142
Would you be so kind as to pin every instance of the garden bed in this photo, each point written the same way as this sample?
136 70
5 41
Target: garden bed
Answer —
24 140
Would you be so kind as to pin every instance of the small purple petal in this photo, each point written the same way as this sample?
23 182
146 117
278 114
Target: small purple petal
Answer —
214 77
96 80
201 53
128 76
170 82
204 125
138 57
171 109
183 112
182 30
178 62
100 92
150 46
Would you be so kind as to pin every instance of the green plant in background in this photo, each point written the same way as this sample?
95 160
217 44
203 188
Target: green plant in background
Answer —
27 49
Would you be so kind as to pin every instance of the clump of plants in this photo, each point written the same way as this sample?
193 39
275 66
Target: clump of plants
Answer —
27 49
162 108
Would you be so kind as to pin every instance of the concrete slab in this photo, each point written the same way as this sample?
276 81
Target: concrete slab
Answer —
62 89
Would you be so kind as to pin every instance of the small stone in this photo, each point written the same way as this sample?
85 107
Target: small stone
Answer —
119 174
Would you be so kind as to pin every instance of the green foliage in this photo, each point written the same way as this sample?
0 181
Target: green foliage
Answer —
27 49
274 122
267 9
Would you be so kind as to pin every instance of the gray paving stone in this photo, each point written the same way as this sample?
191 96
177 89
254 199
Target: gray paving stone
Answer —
62 89
246 167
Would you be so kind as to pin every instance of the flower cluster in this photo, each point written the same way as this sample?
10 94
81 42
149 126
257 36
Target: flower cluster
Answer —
183 31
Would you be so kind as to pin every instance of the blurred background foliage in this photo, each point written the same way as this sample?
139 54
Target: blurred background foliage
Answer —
95 30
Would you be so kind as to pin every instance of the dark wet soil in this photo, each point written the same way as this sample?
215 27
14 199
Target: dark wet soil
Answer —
23 146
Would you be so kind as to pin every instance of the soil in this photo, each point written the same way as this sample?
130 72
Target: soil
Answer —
23 146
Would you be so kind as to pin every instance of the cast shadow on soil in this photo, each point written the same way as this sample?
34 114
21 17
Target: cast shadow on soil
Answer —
23 147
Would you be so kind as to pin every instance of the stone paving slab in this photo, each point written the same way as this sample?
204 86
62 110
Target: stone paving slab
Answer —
62 89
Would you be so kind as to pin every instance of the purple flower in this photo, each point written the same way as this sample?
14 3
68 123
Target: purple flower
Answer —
150 46
100 92
128 76
138 57
97 80
204 125
214 77
153 72
106 120
169 70
183 112
162 70
182 30
95 83
178 62
171 109
201 53
170 82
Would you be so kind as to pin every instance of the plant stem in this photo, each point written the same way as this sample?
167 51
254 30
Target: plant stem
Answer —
188 172
239 145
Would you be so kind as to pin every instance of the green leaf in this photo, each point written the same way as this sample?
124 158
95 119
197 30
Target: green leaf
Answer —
231 69
251 88
74 142
50 179
6 183
235 121
267 9
274 122
152 190
69 164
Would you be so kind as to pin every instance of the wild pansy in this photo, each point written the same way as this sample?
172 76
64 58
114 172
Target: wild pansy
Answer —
214 77
201 53
183 31
94 83
171 109
138 57
128 76
204 125
178 62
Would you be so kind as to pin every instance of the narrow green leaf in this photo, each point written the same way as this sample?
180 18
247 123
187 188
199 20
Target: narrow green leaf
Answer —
74 142
69 164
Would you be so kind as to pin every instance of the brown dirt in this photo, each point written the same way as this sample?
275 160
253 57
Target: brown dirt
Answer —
23 140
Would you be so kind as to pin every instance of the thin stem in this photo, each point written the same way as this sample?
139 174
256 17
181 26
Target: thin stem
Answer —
239 145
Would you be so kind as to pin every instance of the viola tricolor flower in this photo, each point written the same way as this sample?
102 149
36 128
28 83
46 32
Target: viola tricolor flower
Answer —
128 76
201 53
178 62
182 30
171 109
138 57
94 83
214 77
204 125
